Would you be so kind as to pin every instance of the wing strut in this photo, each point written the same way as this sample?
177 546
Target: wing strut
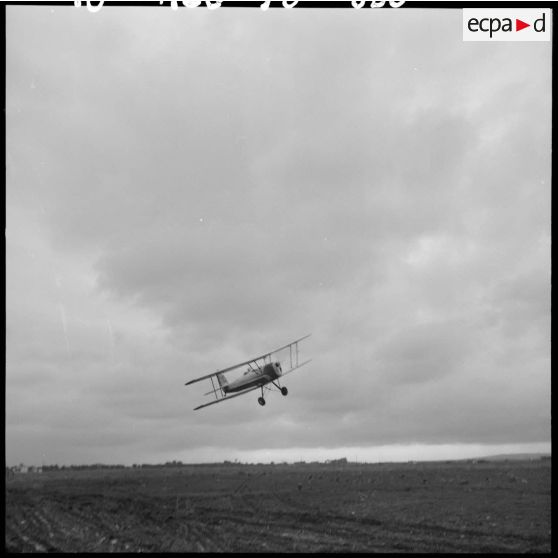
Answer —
291 354
213 386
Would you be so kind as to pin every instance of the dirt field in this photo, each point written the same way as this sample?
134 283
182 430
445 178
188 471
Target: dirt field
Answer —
423 507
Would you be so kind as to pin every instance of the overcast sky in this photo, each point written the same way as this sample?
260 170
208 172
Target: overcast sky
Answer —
188 189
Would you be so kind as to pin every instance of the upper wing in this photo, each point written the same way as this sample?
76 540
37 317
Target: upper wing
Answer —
287 345
246 362
221 371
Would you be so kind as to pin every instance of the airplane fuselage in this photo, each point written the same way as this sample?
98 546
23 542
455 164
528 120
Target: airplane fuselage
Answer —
254 378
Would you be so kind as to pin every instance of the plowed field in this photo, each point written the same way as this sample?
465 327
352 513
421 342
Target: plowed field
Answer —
423 507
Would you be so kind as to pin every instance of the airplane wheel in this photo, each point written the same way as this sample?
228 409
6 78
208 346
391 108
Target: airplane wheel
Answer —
261 400
284 391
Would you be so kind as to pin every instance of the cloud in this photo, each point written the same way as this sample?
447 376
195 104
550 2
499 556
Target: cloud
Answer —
189 189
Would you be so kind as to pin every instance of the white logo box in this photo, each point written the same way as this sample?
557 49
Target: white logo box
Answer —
507 24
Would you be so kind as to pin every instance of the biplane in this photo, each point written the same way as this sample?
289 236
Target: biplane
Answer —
262 371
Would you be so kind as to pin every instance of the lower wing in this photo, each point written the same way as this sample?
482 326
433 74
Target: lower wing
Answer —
225 398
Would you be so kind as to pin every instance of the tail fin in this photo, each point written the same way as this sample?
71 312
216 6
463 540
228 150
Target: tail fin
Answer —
222 380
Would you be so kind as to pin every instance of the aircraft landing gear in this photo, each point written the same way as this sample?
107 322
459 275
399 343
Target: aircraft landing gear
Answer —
283 390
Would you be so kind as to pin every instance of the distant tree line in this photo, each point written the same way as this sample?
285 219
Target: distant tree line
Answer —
169 464
81 467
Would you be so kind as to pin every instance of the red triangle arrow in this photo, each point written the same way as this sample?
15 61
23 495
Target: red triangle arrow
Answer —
519 25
